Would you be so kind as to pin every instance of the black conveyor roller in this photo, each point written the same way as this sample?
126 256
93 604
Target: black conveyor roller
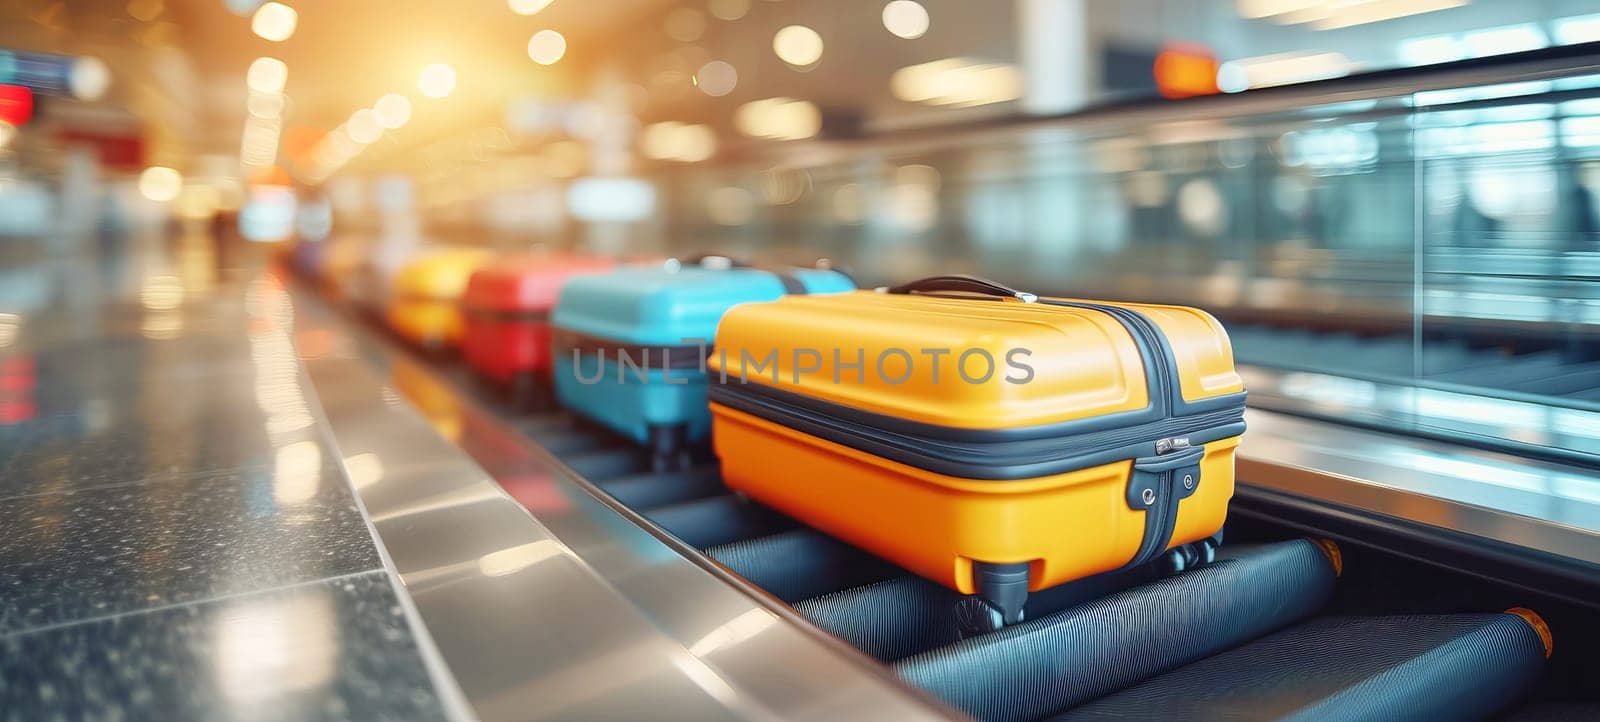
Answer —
718 520
1417 668
801 563
1048 664
646 491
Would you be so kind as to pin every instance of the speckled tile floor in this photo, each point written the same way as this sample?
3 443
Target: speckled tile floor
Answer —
180 541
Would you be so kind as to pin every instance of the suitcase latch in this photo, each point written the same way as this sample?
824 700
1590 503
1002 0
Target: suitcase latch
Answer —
1171 445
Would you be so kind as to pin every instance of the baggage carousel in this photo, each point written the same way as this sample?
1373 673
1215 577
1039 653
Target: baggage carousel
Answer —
1377 590
253 482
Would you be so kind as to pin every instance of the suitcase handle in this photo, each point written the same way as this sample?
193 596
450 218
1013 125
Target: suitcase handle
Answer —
959 283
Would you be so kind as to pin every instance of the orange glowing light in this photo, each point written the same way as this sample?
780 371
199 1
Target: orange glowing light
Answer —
271 176
1184 71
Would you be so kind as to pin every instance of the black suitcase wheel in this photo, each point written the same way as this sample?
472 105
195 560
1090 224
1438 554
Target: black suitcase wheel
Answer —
669 448
975 617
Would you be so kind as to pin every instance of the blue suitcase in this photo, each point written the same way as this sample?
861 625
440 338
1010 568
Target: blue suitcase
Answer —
629 346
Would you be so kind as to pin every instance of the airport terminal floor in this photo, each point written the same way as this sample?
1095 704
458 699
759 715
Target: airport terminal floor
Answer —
800 360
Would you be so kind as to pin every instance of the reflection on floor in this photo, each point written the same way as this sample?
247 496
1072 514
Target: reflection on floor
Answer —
180 539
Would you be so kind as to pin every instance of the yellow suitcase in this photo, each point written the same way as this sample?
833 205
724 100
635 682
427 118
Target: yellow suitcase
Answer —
980 436
424 299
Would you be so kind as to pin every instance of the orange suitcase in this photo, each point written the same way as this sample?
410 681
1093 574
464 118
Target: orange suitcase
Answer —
982 437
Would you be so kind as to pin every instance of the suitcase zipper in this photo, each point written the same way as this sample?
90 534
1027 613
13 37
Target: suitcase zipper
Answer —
940 450
1158 492
1160 374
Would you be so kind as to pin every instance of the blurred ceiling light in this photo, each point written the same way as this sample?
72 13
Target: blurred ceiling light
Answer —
1431 49
160 184
89 78
671 140
274 21
716 78
797 45
265 105
437 80
528 7
1344 16
905 19
961 82
364 126
1507 39
1269 8
685 25
1280 69
1333 14
778 119
546 47
729 9
267 75
394 110
1577 29
922 82
145 10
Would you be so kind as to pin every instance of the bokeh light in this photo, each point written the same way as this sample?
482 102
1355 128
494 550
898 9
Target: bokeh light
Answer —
778 119
89 79
267 75
546 47
437 80
394 110
716 78
671 140
797 45
274 21
728 9
364 126
160 184
905 19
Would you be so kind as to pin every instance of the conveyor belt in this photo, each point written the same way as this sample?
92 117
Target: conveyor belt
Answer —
1104 647
1085 641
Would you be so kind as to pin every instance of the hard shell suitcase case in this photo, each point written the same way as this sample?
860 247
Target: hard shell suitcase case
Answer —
506 309
423 304
982 437
630 345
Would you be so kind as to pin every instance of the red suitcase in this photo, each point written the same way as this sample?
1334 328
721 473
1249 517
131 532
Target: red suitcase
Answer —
507 307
